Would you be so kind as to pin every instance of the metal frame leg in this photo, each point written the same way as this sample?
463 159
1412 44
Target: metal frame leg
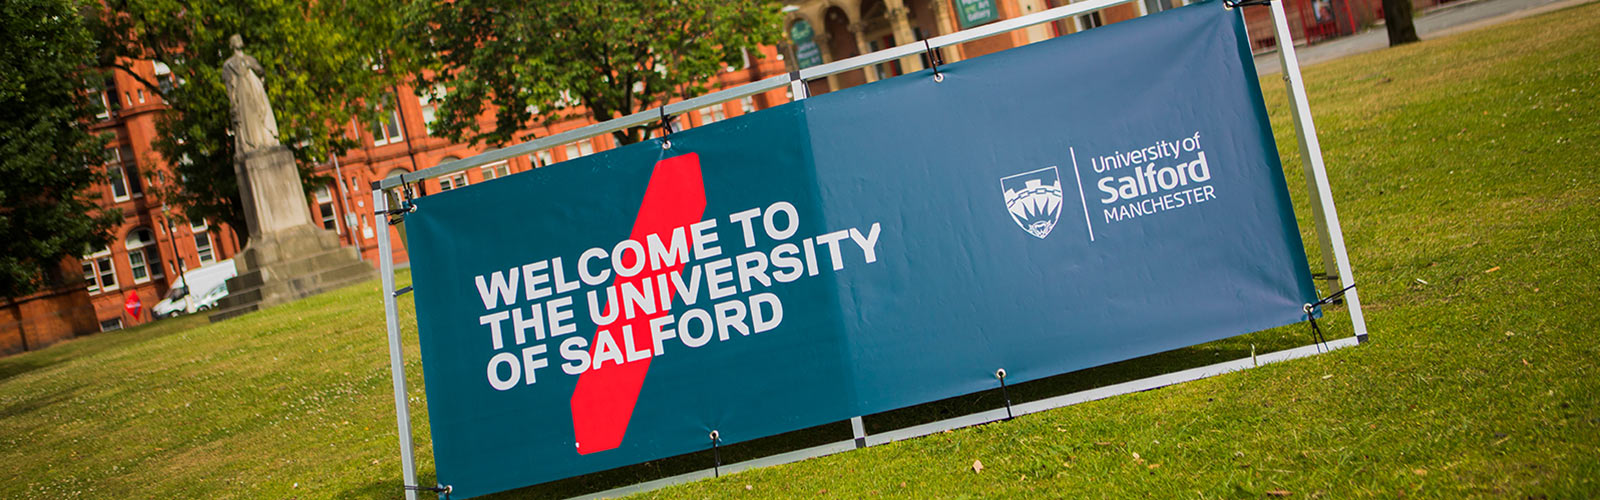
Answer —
1330 234
391 318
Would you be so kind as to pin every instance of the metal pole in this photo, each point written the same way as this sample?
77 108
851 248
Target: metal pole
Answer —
391 319
1320 192
344 206
1330 269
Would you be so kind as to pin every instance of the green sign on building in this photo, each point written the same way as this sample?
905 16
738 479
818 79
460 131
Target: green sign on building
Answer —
973 13
806 52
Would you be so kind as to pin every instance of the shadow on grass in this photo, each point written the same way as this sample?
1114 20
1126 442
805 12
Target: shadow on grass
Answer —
29 405
71 349
1276 339
385 489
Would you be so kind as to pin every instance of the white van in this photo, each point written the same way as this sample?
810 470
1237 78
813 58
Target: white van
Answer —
197 290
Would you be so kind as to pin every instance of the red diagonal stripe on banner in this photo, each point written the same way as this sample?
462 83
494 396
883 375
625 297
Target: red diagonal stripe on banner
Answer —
602 403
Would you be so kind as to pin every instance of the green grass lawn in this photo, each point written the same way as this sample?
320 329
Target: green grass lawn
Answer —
1465 173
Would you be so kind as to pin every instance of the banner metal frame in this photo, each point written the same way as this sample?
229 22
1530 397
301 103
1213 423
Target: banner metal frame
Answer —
1330 238
1330 235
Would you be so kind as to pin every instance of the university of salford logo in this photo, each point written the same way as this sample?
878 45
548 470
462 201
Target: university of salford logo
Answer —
1034 200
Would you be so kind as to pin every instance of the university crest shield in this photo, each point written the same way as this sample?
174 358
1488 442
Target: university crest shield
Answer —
1034 200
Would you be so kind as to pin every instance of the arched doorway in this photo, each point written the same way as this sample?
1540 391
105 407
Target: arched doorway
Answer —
877 33
842 44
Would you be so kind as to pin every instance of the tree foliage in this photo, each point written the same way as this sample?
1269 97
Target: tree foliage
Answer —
537 63
326 63
48 158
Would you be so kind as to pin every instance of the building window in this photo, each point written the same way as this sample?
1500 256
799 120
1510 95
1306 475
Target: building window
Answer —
99 275
119 184
430 106
202 242
109 103
456 181
1154 6
108 98
202 246
1090 20
496 170
330 220
387 129
748 104
565 101
711 114
111 324
580 149
163 77
123 174
144 256
541 158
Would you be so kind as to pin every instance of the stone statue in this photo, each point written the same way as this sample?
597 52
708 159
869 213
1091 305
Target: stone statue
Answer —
289 255
254 125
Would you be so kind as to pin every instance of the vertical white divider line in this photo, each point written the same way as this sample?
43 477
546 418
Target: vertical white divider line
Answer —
1319 190
1081 199
391 319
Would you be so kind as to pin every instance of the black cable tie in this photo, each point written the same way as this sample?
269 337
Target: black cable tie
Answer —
666 121
435 489
402 291
1001 374
1310 309
1333 297
933 59
1234 4
397 215
716 454
1316 335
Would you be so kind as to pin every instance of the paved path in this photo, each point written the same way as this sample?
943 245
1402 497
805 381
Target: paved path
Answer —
1443 21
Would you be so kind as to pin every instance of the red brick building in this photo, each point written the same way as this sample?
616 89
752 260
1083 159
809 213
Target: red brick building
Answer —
149 251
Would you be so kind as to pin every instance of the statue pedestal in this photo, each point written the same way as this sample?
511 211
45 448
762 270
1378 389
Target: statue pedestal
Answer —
288 257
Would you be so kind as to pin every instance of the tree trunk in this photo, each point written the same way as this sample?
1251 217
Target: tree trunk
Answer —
1397 19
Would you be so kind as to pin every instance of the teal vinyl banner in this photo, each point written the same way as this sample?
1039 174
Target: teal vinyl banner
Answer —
1053 207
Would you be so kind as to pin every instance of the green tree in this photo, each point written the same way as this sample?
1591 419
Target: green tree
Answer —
325 62
537 63
47 211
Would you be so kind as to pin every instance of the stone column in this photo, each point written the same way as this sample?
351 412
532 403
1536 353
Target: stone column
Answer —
821 38
858 29
899 20
1037 32
942 15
